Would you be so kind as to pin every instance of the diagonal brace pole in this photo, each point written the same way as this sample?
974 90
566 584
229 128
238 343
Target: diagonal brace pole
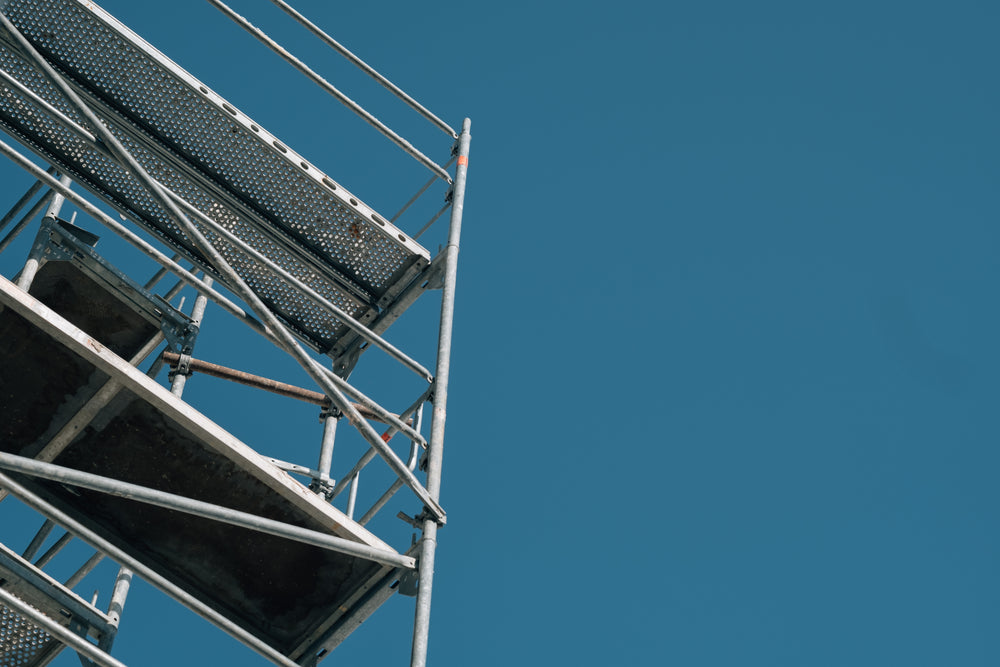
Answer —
172 501
332 308
33 501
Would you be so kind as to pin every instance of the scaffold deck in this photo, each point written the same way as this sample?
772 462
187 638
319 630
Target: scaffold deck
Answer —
210 154
22 642
287 593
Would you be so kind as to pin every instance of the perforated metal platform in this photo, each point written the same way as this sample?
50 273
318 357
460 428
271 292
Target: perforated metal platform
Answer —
22 642
210 154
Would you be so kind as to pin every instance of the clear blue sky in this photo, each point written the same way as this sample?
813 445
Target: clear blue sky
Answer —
725 370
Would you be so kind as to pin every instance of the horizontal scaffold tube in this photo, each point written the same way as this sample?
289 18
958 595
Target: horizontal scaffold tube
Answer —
199 508
93 539
267 384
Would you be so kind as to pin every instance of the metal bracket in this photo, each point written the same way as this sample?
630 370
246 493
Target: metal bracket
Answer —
323 487
329 410
48 245
412 520
418 520
80 628
177 328
435 280
183 367
60 240
409 583
344 364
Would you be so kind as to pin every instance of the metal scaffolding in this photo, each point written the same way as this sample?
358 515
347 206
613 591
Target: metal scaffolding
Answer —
268 550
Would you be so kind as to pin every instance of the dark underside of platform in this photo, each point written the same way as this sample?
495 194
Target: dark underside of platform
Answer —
279 590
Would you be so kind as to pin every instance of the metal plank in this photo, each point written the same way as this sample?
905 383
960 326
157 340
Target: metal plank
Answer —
215 157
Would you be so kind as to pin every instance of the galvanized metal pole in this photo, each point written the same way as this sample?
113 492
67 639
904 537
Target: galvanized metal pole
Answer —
46 557
34 261
420 192
84 570
397 484
23 201
367 457
119 595
322 485
160 275
352 498
24 221
78 644
38 540
332 90
435 450
197 315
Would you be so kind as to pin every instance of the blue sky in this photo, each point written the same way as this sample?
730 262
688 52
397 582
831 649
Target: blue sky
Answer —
724 378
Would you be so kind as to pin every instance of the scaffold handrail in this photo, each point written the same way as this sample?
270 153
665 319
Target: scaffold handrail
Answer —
360 111
367 69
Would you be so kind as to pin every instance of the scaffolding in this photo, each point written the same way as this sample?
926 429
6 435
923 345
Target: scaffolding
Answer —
96 435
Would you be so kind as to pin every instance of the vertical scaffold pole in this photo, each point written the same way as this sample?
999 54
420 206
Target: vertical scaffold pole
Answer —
34 261
197 315
435 450
322 485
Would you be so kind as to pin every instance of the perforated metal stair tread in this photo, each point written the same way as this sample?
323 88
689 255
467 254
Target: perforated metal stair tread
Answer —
214 157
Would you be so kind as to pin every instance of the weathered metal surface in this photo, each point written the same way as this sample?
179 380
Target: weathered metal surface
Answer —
280 591
52 628
24 642
216 158
267 384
